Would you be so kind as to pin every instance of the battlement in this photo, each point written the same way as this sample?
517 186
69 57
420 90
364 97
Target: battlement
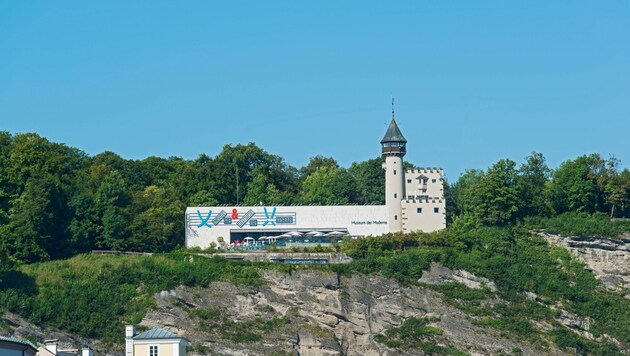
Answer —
416 200
426 170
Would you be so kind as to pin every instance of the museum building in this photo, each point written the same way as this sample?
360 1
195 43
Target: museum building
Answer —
414 201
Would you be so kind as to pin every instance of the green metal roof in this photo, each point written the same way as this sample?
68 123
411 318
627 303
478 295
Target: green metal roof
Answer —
393 133
18 341
157 333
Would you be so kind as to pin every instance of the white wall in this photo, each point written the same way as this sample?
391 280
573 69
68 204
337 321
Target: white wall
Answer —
394 190
415 186
358 220
425 219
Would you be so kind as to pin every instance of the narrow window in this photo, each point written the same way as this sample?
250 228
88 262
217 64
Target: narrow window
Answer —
395 195
394 172
153 350
419 210
395 217
436 210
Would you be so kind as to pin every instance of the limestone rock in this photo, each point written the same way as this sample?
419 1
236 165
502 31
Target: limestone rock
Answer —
438 274
608 259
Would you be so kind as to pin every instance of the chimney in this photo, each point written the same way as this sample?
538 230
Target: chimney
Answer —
51 345
130 332
86 351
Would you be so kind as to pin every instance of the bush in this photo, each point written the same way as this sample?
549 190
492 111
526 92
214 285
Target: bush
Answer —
580 224
95 295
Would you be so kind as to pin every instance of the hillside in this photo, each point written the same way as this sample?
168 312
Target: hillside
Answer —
479 291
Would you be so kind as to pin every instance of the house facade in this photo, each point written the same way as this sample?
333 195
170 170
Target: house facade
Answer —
154 342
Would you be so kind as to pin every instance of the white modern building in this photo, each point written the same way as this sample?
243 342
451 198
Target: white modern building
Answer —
414 200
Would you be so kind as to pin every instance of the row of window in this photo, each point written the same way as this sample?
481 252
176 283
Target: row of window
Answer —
425 181
419 211
394 144
435 210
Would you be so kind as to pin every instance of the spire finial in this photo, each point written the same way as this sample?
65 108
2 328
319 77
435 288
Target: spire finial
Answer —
392 108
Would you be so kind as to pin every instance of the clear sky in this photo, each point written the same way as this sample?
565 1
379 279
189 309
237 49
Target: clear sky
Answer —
474 81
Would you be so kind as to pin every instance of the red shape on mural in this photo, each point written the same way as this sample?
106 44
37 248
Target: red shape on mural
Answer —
234 214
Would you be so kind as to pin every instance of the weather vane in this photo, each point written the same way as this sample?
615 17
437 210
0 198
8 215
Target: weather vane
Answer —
392 107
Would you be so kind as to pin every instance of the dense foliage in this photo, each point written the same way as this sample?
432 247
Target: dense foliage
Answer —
94 295
505 194
56 201
518 262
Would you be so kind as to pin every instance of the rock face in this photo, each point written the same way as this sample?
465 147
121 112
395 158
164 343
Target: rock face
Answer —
326 314
608 259
439 274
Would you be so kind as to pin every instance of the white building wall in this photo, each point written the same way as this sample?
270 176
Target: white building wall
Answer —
394 191
204 225
424 215
423 183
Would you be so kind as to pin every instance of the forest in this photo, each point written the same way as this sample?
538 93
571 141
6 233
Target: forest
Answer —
56 201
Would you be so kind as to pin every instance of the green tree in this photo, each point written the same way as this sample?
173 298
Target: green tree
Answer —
316 163
614 185
112 198
370 180
531 181
29 235
261 191
329 185
489 198
157 225
7 189
499 193
240 164
202 198
574 186
466 197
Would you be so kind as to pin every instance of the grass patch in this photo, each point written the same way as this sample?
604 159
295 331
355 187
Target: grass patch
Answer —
95 295
581 224
415 333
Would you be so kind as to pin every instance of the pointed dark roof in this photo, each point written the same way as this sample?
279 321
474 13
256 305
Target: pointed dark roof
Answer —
393 133
157 333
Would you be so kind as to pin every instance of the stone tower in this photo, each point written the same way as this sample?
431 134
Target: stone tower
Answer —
393 148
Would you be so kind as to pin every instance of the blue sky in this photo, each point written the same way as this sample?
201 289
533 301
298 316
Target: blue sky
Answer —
474 81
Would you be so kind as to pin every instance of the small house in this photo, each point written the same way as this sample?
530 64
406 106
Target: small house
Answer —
154 342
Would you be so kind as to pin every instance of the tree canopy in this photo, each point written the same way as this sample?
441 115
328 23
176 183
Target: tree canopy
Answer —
56 201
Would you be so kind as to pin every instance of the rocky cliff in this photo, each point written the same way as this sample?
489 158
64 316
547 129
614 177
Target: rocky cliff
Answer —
608 259
317 313
311 312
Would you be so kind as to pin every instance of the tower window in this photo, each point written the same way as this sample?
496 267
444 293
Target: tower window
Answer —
432 180
394 172
436 210
419 210
395 195
408 180
395 217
